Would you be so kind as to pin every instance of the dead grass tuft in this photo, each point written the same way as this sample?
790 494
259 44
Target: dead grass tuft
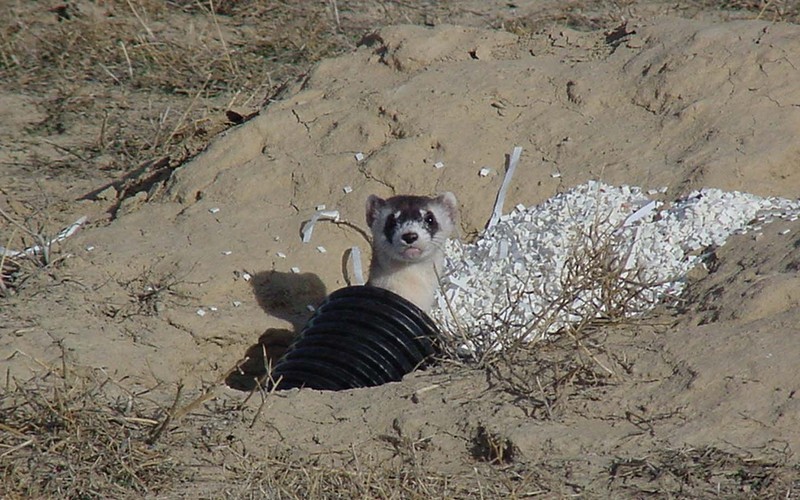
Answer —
699 472
491 447
70 435
561 349
155 289
787 11
589 15
365 478
88 62
29 249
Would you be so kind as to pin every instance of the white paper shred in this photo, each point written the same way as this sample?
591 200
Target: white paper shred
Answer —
513 273
308 228
513 160
36 249
639 214
355 260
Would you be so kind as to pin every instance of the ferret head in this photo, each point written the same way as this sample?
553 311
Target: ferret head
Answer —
411 228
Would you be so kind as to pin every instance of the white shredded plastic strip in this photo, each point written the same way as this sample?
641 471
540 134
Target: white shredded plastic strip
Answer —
641 213
513 160
36 249
358 272
308 228
499 287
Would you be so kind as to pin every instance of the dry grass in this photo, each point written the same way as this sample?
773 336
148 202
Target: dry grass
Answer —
563 350
71 435
88 63
300 481
705 472
31 247
589 15
360 476
786 11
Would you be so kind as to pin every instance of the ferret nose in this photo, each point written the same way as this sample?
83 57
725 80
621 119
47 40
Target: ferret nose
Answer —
410 237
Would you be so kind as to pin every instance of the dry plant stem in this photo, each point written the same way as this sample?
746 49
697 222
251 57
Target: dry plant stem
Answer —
213 13
3 289
763 9
573 336
546 403
335 9
188 110
141 21
461 335
175 414
167 419
17 224
273 387
270 382
41 240
127 59
18 447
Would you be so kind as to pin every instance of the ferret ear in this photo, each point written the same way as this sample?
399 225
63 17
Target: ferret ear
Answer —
449 200
374 205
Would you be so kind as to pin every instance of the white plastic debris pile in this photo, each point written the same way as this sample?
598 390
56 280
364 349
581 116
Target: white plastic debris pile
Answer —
512 283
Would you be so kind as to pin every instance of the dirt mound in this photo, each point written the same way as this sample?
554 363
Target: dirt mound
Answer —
193 269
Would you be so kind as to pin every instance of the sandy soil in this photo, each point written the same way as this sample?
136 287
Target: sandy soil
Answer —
697 400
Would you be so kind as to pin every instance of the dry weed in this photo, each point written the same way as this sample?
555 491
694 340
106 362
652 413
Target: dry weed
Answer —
561 349
587 15
767 10
88 62
70 435
153 290
704 472
365 478
35 249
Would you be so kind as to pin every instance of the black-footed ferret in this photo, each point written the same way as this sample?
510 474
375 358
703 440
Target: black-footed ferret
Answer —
408 237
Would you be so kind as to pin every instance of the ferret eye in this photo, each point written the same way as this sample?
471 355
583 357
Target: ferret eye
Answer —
430 219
